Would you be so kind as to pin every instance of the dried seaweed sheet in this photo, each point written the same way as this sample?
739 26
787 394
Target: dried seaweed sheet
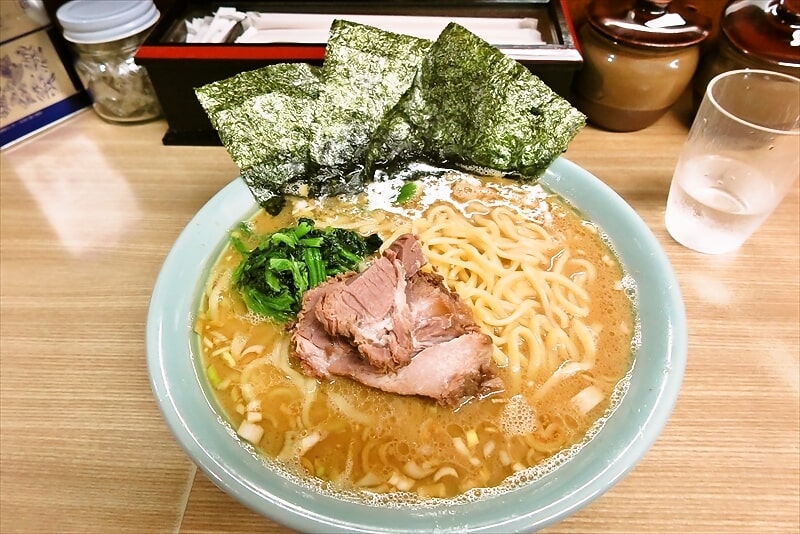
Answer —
365 73
291 129
263 119
473 106
386 99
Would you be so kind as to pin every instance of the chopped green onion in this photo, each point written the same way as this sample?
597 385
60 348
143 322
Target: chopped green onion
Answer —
407 192
211 374
239 245
245 229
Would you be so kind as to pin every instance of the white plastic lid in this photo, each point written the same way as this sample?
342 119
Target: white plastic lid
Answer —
102 21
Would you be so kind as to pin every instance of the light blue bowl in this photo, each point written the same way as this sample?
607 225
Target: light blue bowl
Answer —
189 409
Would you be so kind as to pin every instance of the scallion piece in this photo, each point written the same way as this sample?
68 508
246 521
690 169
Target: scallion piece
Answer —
407 192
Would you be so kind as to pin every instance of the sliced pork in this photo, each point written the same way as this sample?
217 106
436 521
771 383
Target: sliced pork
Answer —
438 314
371 310
315 348
447 372
395 328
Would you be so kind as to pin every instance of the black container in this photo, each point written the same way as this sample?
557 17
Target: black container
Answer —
176 67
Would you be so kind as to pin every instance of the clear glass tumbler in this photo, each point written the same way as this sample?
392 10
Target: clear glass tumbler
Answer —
740 159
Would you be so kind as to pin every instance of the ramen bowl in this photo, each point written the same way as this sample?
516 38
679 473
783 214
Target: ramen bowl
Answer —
191 412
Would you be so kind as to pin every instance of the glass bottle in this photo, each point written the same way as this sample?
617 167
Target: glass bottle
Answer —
105 35
638 59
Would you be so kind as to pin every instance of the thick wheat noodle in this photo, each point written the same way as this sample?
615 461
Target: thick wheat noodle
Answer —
543 441
508 247
586 338
456 249
558 340
304 417
561 282
488 316
584 359
586 267
529 311
515 236
524 347
508 219
342 405
544 293
365 452
473 282
505 219
280 359
444 219
560 279
535 349
491 317
540 325
517 286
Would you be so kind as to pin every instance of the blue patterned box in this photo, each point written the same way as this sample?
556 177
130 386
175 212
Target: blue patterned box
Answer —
38 85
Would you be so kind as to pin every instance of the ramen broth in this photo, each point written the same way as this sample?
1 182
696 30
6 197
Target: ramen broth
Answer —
562 351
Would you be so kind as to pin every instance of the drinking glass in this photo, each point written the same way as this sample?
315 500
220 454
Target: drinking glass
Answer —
740 159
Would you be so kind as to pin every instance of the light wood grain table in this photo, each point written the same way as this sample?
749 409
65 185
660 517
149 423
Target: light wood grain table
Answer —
90 210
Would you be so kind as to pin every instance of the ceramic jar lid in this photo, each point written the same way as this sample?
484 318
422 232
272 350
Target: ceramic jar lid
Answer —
102 21
648 23
767 30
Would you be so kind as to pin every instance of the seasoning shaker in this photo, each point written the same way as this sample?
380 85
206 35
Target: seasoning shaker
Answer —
639 57
105 35
755 34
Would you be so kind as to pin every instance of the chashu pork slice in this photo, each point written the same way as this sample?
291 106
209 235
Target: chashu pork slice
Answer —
395 328
371 310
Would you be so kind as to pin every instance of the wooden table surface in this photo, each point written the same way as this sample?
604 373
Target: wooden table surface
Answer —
89 212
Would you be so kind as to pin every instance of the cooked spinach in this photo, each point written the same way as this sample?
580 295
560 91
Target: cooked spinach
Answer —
273 276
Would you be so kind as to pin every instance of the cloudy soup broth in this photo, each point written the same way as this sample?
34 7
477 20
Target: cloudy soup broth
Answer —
542 283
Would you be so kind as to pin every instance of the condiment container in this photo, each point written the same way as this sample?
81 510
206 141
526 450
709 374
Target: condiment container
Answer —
756 34
105 35
639 56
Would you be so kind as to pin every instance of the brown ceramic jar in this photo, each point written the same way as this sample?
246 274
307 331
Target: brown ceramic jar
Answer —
756 34
639 56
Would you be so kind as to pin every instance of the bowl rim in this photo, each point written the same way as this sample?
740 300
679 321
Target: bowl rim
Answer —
232 465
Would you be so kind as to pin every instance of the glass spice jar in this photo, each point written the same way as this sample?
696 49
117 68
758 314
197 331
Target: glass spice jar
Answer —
754 34
105 35
639 56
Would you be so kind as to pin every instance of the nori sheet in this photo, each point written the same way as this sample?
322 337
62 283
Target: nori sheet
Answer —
365 73
263 118
384 100
473 106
